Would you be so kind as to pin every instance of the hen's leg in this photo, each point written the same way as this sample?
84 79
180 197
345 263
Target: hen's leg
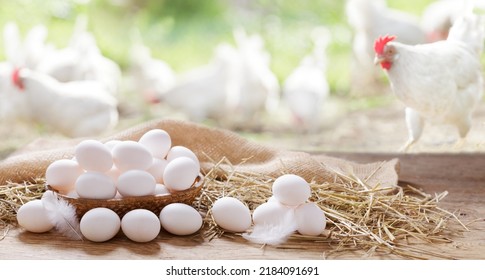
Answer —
415 125
463 128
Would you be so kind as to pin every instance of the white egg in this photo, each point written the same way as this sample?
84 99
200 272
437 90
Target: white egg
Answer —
62 174
310 219
180 219
100 224
291 190
112 143
181 151
114 173
93 155
180 173
129 155
157 141
136 183
272 213
231 214
95 185
157 169
140 225
33 217
272 199
160 189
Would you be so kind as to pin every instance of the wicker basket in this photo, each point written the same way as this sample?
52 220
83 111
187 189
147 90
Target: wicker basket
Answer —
121 206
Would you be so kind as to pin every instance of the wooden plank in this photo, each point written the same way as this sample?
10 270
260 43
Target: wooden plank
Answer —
459 174
431 170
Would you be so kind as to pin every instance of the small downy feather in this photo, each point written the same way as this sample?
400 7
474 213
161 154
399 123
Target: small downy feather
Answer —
62 215
273 233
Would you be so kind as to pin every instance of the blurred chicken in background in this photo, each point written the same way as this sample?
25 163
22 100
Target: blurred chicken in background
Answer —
81 60
257 91
149 77
201 93
370 19
236 88
440 82
29 51
74 108
306 88
439 16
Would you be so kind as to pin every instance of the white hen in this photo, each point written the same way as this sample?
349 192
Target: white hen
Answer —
151 76
201 93
75 109
370 19
439 16
439 82
29 51
82 60
258 87
306 88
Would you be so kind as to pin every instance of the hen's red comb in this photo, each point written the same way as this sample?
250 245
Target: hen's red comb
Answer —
17 81
381 42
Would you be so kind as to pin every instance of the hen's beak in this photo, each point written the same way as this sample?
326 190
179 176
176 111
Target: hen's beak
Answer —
378 59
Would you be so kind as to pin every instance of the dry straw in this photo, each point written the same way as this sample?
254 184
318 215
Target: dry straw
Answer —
360 217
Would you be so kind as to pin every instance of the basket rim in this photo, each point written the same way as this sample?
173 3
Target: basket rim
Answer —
198 182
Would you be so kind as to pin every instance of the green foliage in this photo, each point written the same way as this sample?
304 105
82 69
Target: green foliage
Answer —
185 9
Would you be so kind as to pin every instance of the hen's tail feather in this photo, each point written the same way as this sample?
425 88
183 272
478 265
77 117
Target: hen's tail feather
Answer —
470 29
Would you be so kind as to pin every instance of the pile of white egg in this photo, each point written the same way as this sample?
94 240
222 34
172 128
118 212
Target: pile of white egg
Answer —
290 199
117 169
125 168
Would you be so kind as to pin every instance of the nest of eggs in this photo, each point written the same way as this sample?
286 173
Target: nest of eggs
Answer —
358 216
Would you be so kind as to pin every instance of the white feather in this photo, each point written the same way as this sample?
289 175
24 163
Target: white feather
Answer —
62 214
273 233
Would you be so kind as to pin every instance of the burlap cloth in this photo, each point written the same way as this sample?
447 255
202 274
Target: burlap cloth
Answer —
210 145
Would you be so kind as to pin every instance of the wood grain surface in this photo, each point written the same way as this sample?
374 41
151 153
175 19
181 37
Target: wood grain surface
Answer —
459 174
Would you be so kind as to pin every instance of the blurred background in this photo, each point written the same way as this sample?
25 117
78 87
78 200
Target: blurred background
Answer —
191 38
184 33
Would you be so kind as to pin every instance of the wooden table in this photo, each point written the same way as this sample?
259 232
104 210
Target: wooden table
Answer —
461 175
